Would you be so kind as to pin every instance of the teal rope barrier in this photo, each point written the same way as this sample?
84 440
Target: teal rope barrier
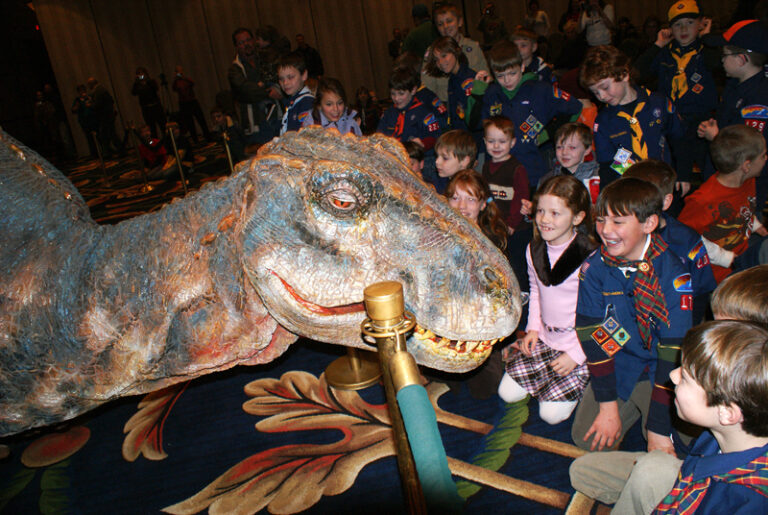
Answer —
428 451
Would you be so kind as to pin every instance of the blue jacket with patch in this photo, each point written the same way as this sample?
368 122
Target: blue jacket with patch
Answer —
460 101
297 108
687 245
530 107
606 325
431 100
415 121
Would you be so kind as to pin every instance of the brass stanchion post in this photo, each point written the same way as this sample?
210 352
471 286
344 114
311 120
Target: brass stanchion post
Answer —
178 158
147 187
225 139
101 157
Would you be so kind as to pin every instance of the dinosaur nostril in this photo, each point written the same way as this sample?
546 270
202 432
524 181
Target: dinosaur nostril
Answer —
491 276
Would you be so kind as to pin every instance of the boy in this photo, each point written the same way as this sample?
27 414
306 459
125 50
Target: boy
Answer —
635 124
633 309
528 102
152 151
573 149
416 155
638 481
526 42
292 76
683 67
682 240
722 386
456 150
745 51
722 210
223 124
449 22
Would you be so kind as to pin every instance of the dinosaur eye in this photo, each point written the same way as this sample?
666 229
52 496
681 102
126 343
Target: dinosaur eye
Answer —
342 199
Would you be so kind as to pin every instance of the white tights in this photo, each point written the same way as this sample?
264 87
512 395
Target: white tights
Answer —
551 412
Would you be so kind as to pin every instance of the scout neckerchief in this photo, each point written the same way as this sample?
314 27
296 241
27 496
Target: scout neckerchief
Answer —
680 80
400 123
639 148
305 92
648 296
687 494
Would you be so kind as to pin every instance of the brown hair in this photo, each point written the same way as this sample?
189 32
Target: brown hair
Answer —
743 296
292 60
573 194
630 196
523 33
656 172
579 129
446 8
734 145
503 56
328 85
489 219
603 62
444 44
459 143
729 360
502 123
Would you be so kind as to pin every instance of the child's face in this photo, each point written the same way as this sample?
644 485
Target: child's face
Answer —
332 106
218 119
446 62
571 151
685 30
416 165
691 400
555 221
611 91
732 63
145 133
448 164
498 144
291 80
466 203
624 236
448 24
401 97
510 78
526 47
756 165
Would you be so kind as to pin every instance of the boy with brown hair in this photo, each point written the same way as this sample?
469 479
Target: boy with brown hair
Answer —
527 44
455 150
723 209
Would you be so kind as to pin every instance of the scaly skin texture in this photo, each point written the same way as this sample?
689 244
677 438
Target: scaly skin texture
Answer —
230 275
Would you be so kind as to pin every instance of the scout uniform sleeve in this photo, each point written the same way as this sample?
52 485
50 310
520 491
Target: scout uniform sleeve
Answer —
589 315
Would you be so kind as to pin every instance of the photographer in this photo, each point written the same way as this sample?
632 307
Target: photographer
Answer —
146 89
597 18
492 26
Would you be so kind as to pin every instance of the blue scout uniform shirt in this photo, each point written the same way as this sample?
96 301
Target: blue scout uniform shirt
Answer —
297 108
538 67
460 100
415 121
530 107
430 99
713 482
627 134
687 245
607 329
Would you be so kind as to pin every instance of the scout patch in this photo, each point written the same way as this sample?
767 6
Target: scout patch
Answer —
698 255
495 109
467 86
697 88
682 283
460 111
622 160
583 270
531 128
558 93
755 115
302 116
439 106
610 336
695 77
431 122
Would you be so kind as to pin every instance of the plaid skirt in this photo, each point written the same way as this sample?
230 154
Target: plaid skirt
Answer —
535 375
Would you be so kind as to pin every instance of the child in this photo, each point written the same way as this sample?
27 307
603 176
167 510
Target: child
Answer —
468 193
635 124
292 74
408 119
447 60
722 386
152 151
223 124
633 310
526 42
722 210
745 51
449 23
367 108
528 102
505 175
456 150
683 67
682 240
416 154
573 149
638 481
330 109
551 364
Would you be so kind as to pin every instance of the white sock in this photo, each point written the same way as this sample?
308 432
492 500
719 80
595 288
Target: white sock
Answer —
554 412
510 390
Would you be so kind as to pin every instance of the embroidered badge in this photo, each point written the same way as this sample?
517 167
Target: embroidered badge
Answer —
695 77
302 116
495 109
686 302
583 270
755 124
643 266
697 88
460 111
622 160
698 254
755 111
467 86
559 93
682 283
531 128
610 336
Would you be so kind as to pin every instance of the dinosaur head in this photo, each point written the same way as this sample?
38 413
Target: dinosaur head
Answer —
324 216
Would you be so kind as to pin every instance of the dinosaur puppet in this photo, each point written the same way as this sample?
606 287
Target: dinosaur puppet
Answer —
230 275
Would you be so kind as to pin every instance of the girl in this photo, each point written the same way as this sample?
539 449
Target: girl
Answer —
368 110
330 109
469 194
550 364
448 59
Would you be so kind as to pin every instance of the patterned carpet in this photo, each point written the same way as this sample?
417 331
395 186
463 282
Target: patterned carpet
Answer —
268 439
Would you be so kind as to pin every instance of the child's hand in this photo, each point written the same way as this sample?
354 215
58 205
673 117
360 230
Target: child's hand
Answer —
529 342
708 129
663 37
483 76
657 442
563 364
705 25
525 207
683 187
606 428
510 230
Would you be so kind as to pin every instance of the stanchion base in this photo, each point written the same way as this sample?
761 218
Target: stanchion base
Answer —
342 375
147 188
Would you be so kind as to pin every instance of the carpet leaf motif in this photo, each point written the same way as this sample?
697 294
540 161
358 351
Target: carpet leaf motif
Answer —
145 428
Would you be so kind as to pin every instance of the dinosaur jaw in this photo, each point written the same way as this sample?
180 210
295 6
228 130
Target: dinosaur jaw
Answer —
428 348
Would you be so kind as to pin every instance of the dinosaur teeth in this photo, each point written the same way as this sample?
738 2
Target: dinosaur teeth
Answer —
472 346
